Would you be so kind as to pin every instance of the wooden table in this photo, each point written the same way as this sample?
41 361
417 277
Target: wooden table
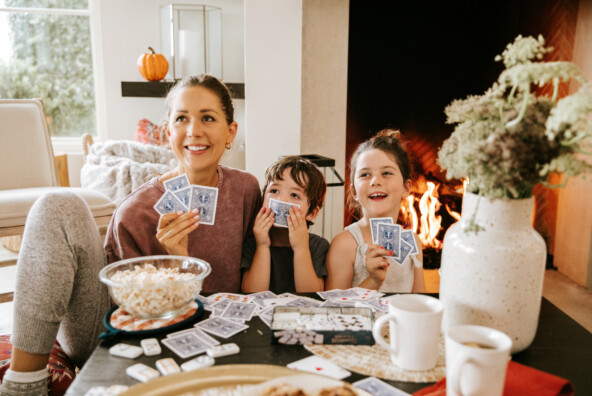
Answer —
561 347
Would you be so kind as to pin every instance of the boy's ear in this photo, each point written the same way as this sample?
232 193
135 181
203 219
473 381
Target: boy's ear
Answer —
312 215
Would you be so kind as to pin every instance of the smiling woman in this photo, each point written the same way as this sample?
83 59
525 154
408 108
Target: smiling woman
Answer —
201 128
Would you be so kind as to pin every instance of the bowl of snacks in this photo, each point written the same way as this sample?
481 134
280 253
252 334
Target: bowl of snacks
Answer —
155 287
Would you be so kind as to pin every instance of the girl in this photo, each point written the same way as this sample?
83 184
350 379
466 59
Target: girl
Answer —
380 179
58 293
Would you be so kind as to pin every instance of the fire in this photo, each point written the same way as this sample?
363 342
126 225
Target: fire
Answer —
429 223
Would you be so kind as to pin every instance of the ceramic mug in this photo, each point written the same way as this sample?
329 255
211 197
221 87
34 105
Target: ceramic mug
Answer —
414 330
476 361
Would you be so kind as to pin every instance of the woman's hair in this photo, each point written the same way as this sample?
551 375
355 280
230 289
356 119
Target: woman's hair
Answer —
211 83
392 143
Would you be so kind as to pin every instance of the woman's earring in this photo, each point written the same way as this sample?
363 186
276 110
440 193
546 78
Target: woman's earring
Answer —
228 146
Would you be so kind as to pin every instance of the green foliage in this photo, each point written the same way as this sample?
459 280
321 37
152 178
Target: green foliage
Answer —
509 139
52 60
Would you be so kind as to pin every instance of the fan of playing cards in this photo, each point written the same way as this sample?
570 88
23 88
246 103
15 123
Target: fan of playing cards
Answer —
182 196
393 237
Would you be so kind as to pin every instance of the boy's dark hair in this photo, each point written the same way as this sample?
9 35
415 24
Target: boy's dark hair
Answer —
305 174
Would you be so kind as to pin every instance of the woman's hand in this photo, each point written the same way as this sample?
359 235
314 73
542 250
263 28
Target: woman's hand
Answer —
174 229
377 264
263 223
298 229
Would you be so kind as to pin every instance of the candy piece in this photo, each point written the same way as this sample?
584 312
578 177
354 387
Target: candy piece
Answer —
151 347
126 351
223 350
198 363
167 366
141 372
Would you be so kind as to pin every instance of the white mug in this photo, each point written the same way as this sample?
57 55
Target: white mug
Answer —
414 330
476 361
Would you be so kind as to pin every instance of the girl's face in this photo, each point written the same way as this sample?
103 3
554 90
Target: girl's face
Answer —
378 184
198 129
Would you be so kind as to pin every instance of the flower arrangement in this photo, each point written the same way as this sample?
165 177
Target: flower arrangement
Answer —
510 138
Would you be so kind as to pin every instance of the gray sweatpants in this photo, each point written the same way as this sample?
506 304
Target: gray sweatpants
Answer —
58 292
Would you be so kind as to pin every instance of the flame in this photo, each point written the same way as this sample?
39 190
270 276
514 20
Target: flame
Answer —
428 223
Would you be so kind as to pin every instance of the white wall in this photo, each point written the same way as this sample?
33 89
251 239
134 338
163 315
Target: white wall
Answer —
127 29
273 58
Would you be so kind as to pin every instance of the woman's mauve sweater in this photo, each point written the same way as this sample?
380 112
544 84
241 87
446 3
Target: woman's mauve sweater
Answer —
132 231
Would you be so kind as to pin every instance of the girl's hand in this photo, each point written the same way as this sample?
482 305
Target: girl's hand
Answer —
298 229
263 223
173 231
376 263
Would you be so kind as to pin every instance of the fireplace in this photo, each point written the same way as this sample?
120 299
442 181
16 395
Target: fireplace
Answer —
408 60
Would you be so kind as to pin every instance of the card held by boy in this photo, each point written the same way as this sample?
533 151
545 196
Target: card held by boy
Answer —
282 211
204 199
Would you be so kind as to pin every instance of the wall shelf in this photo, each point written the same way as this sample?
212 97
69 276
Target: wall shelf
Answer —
159 89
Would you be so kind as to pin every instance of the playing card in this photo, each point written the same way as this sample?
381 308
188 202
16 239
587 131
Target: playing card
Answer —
186 345
176 183
374 225
184 195
169 203
222 304
405 251
389 237
317 365
229 296
204 199
281 211
377 387
303 302
239 310
337 294
221 327
367 294
260 297
407 236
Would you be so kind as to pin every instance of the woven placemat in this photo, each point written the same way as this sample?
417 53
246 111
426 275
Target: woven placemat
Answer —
376 361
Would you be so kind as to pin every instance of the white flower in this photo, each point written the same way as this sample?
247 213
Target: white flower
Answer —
509 139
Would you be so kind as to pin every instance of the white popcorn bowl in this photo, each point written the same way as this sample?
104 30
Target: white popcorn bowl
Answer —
156 299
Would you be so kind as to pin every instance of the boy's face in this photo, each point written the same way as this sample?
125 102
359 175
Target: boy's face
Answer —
287 190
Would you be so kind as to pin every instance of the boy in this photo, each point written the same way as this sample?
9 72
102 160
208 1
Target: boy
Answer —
289 259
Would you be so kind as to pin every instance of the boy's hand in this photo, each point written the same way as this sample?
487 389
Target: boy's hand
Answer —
173 231
298 229
376 263
263 223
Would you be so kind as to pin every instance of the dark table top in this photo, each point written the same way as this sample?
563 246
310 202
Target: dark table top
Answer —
561 347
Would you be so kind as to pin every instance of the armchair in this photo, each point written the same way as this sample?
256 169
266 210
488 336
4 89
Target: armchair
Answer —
28 168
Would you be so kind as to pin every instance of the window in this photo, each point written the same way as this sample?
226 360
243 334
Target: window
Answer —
45 52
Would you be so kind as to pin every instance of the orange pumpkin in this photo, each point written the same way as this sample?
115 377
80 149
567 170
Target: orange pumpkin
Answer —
153 66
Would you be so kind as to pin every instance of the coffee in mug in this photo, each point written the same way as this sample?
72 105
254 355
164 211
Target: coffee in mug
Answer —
476 361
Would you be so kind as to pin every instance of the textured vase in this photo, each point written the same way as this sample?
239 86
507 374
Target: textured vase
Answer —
494 277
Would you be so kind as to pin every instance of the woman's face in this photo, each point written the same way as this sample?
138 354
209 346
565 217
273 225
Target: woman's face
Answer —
378 184
198 130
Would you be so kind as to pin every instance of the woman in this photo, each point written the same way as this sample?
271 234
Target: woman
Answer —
58 293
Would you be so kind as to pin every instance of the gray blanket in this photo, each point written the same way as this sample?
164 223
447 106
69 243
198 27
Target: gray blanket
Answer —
116 168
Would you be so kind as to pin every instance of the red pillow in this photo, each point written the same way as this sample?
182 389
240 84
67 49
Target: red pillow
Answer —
60 367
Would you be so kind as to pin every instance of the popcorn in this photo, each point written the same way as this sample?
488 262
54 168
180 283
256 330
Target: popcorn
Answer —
148 291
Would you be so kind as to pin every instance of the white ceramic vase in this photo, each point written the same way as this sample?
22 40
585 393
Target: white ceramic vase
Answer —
494 277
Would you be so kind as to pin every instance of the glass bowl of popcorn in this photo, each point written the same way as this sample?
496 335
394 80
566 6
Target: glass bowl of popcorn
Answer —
155 287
